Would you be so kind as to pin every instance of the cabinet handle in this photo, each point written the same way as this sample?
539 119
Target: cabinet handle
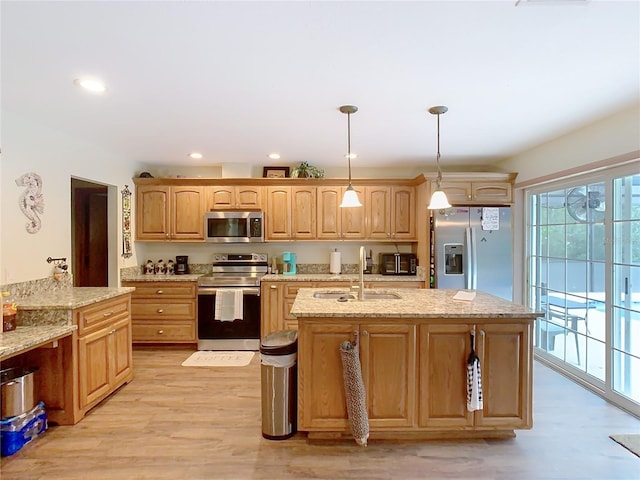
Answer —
365 333
112 331
107 314
160 332
160 310
159 292
273 287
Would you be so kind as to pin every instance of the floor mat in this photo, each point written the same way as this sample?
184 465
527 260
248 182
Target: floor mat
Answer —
629 441
208 358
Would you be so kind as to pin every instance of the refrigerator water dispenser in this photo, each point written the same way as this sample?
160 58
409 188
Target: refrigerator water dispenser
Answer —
453 260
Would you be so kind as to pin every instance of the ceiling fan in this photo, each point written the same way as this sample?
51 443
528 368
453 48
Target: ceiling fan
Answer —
586 205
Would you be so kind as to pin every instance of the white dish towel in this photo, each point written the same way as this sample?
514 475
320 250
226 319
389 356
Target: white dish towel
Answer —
229 305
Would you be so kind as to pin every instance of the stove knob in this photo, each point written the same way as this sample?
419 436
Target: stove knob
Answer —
216 258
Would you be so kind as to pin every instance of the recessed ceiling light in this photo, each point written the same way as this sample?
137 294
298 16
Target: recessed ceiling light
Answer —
274 156
91 84
196 155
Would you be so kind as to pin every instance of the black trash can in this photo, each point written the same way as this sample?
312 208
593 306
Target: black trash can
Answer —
279 373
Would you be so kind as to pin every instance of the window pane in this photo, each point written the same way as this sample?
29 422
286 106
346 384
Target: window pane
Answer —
595 356
557 241
577 241
626 196
596 280
626 331
556 207
596 243
626 372
576 277
556 274
626 286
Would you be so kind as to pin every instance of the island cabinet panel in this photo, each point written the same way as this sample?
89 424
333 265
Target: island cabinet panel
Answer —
388 361
507 363
443 376
321 396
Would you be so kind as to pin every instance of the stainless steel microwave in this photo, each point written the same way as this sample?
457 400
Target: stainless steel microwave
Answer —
398 263
234 226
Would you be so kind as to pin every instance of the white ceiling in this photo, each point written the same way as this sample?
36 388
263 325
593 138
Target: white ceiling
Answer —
238 80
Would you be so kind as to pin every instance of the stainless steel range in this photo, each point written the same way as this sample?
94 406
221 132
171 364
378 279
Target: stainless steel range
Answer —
233 275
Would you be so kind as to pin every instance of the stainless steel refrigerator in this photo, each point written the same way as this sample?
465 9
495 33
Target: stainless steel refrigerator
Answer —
472 248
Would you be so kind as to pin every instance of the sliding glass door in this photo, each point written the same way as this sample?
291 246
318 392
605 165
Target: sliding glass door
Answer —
584 275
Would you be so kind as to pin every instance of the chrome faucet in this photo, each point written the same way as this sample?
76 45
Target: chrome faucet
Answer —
363 263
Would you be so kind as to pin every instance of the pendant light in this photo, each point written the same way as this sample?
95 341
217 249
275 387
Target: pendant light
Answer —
439 198
350 198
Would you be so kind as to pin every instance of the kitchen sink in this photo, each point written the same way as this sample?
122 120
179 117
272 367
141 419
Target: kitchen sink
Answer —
334 295
381 296
344 296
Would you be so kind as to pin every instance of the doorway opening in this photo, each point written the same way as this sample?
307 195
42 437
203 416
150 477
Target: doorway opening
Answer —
90 233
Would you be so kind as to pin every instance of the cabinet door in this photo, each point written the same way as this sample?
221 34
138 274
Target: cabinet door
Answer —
290 290
352 222
271 307
93 365
220 198
321 397
492 192
152 212
278 216
388 357
248 197
506 364
303 213
187 213
329 218
378 212
458 193
403 213
121 352
443 376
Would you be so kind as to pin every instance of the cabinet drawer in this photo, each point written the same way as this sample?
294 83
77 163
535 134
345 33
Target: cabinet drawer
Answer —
96 316
163 331
159 290
173 309
291 289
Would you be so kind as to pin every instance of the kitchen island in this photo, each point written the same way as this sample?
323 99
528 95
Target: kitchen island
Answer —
414 345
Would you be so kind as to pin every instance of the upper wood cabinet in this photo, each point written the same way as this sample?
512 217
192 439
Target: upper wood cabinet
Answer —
335 223
303 213
278 215
169 213
484 192
234 196
391 213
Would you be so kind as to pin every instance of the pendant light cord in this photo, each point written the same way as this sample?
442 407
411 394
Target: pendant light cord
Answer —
439 178
349 144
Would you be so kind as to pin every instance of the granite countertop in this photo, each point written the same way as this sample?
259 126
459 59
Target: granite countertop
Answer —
23 339
70 298
140 277
343 277
413 303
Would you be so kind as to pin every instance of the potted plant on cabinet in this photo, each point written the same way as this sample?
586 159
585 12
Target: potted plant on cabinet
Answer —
304 170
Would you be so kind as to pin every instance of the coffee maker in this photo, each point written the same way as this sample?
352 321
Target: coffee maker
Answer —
182 265
288 263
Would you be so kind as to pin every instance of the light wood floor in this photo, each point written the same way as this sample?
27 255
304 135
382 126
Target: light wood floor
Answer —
175 422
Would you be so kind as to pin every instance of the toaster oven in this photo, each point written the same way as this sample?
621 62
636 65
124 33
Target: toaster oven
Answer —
398 263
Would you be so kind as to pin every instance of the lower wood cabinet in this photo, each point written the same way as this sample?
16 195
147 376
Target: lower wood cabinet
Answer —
88 365
414 372
163 312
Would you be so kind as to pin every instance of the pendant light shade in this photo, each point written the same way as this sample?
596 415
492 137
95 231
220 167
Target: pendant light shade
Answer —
438 198
350 198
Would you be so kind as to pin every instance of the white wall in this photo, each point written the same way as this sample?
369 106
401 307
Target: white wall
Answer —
30 147
616 135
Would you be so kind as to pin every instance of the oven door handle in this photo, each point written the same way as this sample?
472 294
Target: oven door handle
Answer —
245 291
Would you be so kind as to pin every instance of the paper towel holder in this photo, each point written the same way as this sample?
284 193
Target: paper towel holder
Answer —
335 263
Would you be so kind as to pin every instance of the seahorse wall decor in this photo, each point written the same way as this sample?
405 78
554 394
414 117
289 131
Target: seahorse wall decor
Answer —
31 201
